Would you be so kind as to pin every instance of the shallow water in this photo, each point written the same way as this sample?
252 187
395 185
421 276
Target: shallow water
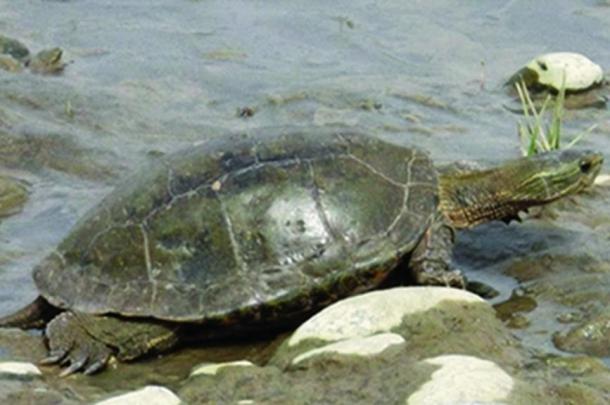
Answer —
152 77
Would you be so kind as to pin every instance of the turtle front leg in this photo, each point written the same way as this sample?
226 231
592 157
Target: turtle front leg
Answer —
85 342
431 260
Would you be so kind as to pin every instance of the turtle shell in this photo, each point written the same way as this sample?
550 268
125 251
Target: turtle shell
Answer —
246 227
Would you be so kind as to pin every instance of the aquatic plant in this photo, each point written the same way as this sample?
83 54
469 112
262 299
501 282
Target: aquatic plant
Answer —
535 134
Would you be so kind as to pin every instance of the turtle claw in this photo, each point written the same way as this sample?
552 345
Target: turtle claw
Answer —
74 367
70 345
53 358
65 361
95 367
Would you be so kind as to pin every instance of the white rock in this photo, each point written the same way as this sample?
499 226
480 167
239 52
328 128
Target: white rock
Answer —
149 395
580 72
367 346
212 369
375 312
19 368
602 180
463 379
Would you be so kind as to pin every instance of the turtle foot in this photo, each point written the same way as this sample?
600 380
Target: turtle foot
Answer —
71 346
450 278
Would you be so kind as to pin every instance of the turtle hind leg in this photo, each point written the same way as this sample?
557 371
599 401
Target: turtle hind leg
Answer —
85 342
34 315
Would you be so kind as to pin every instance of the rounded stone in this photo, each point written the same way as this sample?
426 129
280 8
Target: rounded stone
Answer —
375 312
580 72
463 379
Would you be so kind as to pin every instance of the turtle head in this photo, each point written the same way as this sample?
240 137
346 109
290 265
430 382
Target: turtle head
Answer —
473 197
555 174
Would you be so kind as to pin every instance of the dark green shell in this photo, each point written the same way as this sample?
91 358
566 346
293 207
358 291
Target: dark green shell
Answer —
246 227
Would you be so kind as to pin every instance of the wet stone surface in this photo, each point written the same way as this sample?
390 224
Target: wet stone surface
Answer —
479 361
590 337
404 360
13 195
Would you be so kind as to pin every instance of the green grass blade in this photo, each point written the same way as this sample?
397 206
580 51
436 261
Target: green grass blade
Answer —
578 137
557 117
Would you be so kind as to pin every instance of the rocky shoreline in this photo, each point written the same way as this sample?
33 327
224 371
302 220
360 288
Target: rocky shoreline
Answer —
411 345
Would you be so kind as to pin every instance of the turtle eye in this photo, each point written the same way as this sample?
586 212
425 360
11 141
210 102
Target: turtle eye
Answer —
585 166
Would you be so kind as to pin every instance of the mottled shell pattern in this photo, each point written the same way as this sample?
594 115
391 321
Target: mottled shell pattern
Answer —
246 227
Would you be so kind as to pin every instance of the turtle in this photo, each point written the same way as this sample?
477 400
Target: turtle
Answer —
258 231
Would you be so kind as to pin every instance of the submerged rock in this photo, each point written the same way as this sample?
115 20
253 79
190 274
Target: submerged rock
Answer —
10 64
32 151
13 195
14 56
512 310
591 337
577 365
47 61
14 48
